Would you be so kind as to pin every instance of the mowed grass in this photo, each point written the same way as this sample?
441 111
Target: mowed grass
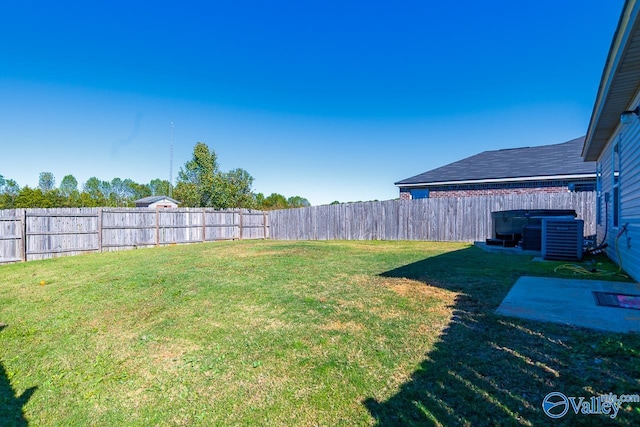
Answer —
291 333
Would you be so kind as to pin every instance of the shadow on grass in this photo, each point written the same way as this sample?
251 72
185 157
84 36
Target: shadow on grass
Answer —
11 413
493 370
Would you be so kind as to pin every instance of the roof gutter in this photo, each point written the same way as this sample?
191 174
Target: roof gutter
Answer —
498 180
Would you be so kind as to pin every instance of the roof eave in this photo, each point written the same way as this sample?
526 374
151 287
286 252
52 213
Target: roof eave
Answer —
614 92
500 180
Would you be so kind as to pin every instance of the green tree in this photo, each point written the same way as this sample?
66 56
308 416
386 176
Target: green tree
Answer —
85 200
46 182
68 185
2 198
105 189
120 192
297 202
9 191
68 192
53 199
94 189
136 191
31 198
36 198
187 193
275 201
233 189
11 187
160 187
259 200
197 179
73 200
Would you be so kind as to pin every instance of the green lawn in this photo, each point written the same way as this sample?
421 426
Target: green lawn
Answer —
292 333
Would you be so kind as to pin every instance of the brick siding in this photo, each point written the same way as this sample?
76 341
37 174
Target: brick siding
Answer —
495 191
406 195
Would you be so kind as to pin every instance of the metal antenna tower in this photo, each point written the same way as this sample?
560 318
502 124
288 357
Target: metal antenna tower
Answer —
171 163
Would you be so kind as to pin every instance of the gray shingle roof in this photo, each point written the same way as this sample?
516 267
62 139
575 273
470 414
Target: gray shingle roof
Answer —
527 162
153 199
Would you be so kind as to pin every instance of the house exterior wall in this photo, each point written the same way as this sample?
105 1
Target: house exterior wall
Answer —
493 190
163 204
624 243
496 191
160 204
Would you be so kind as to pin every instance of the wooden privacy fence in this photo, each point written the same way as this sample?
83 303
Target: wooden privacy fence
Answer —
29 234
463 219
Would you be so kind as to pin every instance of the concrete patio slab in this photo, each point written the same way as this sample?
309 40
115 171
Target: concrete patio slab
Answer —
503 250
570 302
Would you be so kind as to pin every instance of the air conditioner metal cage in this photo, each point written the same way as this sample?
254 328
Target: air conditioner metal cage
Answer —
562 238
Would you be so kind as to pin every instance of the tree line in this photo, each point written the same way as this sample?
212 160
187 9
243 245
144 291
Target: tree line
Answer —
200 183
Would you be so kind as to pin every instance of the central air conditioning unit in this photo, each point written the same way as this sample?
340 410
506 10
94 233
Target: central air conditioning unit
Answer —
562 238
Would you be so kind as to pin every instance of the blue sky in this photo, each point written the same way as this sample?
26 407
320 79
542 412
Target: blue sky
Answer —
329 100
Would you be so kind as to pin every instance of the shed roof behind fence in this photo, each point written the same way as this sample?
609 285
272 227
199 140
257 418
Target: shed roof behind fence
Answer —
153 199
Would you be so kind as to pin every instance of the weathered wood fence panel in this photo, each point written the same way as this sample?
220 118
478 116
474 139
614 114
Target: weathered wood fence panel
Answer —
222 225
30 234
128 228
11 235
55 232
462 219
254 225
183 226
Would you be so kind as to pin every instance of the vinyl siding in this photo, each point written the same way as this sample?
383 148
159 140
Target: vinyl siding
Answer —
628 244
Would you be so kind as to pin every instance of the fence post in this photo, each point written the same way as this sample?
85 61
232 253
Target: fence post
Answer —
23 232
99 230
204 225
157 227
264 224
240 222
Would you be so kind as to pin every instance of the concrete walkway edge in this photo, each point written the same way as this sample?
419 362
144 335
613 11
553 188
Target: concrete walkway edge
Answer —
570 302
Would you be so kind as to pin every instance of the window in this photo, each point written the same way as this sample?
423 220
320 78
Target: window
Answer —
419 193
616 184
599 194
